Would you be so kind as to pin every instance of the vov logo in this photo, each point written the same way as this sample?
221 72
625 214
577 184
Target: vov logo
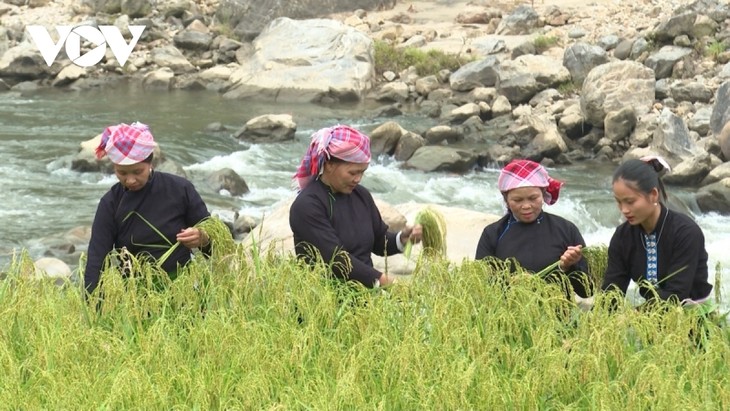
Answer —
70 36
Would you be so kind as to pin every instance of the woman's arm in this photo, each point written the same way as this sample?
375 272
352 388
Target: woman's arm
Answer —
103 232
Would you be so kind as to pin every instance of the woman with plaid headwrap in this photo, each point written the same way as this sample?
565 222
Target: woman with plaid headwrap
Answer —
141 198
336 217
535 238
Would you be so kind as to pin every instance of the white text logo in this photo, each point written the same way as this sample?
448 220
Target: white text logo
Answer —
70 36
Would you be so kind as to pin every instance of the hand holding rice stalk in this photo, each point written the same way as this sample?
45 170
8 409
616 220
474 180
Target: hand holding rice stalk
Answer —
213 228
433 238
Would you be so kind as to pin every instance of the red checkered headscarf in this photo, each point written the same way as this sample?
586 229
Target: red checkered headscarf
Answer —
340 141
126 143
526 173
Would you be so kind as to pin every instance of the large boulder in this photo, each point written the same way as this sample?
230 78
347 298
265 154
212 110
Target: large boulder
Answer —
613 86
663 61
328 61
721 110
580 58
715 197
437 158
479 73
522 78
672 140
268 128
249 17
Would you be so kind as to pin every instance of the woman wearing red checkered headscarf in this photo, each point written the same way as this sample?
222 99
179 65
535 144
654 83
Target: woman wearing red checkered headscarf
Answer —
143 206
334 216
535 238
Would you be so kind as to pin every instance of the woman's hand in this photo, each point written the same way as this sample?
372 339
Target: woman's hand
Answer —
193 237
570 257
414 234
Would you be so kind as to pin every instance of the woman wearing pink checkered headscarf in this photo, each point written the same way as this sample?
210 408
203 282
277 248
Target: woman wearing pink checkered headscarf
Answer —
142 206
334 216
535 238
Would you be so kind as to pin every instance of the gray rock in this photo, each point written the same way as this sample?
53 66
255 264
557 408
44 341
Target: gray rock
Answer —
227 179
718 173
615 85
523 20
524 77
620 124
724 140
676 25
690 171
638 47
441 133
721 110
160 79
193 40
172 58
692 91
608 42
715 197
700 121
580 58
480 73
438 158
396 91
623 49
488 45
385 137
329 61
425 85
663 61
269 128
407 145
462 113
136 8
671 139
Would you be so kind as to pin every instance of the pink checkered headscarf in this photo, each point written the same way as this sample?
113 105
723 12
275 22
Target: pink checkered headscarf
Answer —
526 173
126 143
343 142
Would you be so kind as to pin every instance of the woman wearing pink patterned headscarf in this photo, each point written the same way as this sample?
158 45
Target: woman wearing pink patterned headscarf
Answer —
336 216
535 238
143 206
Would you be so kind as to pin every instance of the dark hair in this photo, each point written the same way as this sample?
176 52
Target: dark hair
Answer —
642 176
149 158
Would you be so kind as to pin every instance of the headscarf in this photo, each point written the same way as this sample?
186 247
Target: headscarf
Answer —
126 143
343 142
526 173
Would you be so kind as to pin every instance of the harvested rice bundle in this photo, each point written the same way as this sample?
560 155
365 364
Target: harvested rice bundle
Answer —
433 239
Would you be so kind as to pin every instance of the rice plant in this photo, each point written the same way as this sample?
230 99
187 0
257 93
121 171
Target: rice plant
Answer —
228 335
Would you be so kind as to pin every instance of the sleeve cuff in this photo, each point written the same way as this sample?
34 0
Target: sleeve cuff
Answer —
398 243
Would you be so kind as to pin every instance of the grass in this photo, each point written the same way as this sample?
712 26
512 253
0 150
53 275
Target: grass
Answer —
390 58
715 49
543 43
248 331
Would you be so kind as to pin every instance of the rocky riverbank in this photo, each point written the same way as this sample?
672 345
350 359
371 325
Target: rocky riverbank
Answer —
555 81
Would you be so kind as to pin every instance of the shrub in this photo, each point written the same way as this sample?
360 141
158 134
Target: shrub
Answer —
715 48
543 43
390 58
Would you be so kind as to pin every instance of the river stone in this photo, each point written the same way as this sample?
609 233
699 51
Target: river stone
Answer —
268 128
522 78
172 58
700 121
385 137
619 124
436 158
718 173
227 179
672 140
690 171
407 145
480 73
721 109
523 20
724 140
443 133
715 197
663 61
51 267
675 26
613 86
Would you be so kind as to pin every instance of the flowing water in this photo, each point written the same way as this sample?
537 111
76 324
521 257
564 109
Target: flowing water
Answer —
43 198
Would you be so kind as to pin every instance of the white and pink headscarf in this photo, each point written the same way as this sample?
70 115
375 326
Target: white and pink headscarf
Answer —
126 143
343 142
526 173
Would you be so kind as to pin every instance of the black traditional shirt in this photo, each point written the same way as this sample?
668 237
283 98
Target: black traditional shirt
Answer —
534 245
681 258
335 221
169 202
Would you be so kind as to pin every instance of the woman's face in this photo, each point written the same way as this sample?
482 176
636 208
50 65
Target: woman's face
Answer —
525 203
636 207
343 177
133 176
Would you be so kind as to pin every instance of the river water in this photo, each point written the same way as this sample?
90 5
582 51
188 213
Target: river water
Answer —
43 198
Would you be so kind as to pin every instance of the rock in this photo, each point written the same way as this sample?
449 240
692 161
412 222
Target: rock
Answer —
227 179
488 45
715 197
724 140
609 42
523 20
328 60
692 91
718 173
573 124
547 144
136 8
172 58
408 143
619 124
268 128
68 75
663 61
160 79
462 113
437 158
442 133
672 141
385 137
244 224
501 107
524 77
721 109
23 62
51 267
480 73
580 58
690 171
623 49
675 26
613 86
396 91
193 40
425 85
700 121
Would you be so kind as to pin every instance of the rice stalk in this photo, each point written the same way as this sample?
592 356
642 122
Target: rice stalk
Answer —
433 237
